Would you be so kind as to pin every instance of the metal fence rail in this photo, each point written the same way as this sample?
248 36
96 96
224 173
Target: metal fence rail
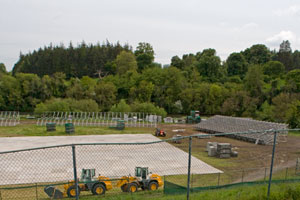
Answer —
25 174
9 118
100 118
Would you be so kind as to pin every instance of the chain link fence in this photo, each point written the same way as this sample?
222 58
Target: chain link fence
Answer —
179 165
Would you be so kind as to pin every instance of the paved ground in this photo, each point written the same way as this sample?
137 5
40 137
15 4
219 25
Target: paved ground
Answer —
56 164
17 143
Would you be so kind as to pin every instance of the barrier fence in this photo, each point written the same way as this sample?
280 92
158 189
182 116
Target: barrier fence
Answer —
181 165
9 118
100 118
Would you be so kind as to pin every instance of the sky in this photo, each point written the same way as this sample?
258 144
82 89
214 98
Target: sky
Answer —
172 27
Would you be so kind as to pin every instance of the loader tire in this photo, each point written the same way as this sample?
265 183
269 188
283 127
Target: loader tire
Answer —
71 192
124 188
132 187
152 186
98 189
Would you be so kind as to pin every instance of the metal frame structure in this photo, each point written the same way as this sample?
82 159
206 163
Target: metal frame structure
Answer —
105 119
9 118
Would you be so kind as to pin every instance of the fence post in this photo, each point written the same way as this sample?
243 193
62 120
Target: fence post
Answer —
272 163
36 191
265 174
164 184
75 171
243 176
219 179
192 180
189 169
296 168
286 173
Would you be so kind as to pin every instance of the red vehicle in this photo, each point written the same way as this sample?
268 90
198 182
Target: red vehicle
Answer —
160 133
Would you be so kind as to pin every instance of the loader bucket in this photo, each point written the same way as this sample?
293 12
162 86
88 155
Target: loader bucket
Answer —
53 193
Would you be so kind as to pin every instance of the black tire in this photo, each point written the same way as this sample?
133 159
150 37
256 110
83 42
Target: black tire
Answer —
152 186
98 189
124 188
132 187
71 190
143 188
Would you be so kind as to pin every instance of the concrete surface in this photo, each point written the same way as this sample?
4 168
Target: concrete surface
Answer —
56 164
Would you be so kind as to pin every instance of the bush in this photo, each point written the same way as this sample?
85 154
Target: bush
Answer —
57 105
122 106
293 115
235 79
148 108
86 105
67 105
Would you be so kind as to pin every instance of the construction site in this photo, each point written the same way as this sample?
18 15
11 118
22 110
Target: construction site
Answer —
214 152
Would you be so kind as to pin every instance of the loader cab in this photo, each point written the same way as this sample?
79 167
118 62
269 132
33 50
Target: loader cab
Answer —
141 172
87 175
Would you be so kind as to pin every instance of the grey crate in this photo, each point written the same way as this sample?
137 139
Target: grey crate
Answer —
224 146
211 144
224 151
225 155
212 151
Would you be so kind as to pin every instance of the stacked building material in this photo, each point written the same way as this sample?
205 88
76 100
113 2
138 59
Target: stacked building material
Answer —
225 124
211 148
168 120
223 150
220 150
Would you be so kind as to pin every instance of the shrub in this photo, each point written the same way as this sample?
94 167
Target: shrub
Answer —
67 105
122 106
148 108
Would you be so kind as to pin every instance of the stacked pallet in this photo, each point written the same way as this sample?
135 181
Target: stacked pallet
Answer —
224 150
220 150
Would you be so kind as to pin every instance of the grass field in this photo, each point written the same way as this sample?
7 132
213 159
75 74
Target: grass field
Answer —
36 191
259 192
294 133
33 130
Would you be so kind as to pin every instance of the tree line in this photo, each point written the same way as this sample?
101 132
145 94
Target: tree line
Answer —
257 82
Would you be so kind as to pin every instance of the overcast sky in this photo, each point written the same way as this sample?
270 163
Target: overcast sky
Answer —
173 27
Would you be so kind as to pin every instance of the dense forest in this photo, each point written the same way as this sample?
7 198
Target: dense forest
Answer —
257 82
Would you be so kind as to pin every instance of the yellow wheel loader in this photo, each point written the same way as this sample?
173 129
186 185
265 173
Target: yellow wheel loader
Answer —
88 182
142 179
